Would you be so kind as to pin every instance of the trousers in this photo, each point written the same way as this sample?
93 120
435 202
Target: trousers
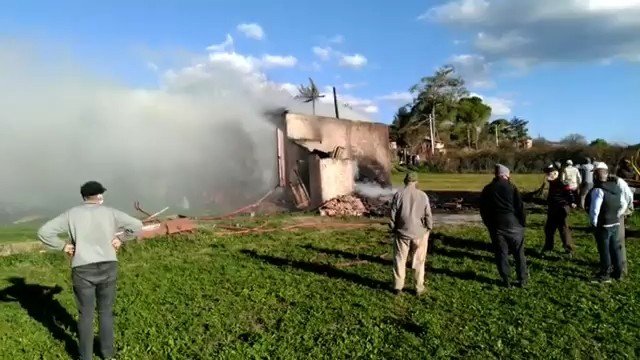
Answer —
505 241
610 250
557 221
404 247
95 283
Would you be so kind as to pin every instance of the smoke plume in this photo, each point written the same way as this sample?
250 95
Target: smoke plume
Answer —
198 142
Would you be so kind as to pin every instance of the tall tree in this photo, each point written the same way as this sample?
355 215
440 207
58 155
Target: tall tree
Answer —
473 113
436 97
574 140
309 94
519 130
500 129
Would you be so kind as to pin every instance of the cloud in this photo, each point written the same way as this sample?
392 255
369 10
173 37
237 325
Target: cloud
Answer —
292 89
500 107
152 66
397 97
546 31
350 101
279 61
337 39
473 69
324 53
355 61
349 86
251 30
223 46
242 63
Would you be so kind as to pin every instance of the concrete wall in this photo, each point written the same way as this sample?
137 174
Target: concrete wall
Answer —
330 178
365 142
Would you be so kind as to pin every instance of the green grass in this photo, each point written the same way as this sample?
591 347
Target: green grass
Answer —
467 182
293 295
18 233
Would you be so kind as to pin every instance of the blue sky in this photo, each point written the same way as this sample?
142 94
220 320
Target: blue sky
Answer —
566 66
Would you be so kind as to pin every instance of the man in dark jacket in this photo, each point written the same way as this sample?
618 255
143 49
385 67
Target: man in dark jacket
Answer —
604 216
560 200
502 212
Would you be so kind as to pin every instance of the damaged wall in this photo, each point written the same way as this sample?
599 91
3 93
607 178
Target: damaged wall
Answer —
330 178
365 142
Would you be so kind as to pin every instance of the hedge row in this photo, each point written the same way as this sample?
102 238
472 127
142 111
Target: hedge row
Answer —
521 161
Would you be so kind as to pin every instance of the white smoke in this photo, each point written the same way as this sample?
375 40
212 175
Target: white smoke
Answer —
374 190
200 139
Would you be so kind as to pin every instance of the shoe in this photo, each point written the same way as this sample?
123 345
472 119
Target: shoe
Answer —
601 279
420 291
397 292
569 255
506 284
522 283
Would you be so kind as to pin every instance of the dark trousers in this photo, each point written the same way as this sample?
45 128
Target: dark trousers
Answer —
622 237
584 190
557 221
610 250
90 283
505 241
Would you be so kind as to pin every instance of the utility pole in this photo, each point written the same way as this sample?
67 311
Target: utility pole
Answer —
335 102
432 117
497 144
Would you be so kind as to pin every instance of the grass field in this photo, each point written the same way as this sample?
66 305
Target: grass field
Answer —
324 295
467 182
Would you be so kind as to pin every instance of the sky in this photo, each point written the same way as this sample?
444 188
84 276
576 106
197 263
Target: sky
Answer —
566 66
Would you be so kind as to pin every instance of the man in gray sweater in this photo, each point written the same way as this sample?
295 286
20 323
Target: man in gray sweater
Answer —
92 245
411 222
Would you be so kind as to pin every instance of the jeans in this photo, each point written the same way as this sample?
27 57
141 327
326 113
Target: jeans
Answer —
610 250
90 283
505 241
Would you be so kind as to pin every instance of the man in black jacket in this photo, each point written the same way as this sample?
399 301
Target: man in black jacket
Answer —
502 212
560 200
605 210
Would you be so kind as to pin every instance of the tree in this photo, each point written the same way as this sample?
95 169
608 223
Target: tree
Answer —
436 98
519 130
599 143
473 113
574 140
500 129
309 94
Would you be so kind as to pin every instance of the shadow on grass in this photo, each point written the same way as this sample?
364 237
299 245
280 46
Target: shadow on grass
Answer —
320 269
39 303
464 275
460 243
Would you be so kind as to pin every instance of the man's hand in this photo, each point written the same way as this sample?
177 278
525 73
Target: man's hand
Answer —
116 243
573 206
69 249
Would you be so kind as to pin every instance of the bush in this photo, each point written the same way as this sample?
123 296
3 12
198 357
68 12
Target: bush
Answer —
520 161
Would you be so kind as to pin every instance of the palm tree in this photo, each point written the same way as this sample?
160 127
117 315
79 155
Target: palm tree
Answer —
309 94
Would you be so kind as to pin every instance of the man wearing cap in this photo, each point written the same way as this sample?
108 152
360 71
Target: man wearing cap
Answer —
626 201
571 177
560 200
606 207
92 245
586 171
411 222
502 212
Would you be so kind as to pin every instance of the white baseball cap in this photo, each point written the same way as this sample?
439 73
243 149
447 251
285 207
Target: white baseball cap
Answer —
600 166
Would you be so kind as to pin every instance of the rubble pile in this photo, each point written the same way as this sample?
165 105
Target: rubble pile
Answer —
345 205
377 207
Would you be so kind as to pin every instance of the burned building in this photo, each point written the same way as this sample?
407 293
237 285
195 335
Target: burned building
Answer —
320 158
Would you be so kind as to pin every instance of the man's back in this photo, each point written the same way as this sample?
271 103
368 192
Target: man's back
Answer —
91 228
587 173
571 176
411 213
501 205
